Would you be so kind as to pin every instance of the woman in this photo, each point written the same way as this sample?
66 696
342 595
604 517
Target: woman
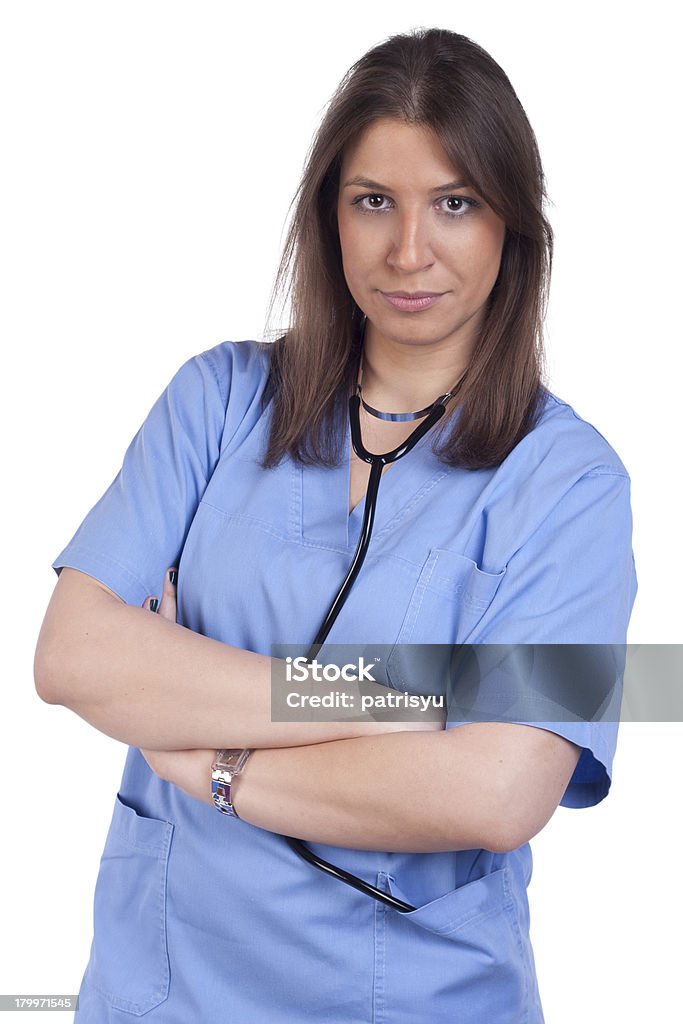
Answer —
419 256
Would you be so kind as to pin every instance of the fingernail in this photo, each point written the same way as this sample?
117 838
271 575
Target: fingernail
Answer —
173 576
153 604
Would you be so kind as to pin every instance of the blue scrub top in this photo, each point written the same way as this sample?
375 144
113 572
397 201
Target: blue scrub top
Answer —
201 917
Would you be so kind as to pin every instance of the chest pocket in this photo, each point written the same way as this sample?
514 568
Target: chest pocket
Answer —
449 599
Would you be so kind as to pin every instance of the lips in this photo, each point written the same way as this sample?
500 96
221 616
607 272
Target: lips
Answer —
412 302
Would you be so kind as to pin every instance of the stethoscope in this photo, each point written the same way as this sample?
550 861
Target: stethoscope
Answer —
377 462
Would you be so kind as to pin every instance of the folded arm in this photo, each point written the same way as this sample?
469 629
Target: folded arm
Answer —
487 785
150 682
400 786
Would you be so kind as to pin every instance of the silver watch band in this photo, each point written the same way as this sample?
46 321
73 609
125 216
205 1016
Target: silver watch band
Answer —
226 766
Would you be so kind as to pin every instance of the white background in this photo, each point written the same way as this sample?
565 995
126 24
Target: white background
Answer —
151 151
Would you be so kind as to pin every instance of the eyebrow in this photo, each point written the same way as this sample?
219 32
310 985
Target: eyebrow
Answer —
369 183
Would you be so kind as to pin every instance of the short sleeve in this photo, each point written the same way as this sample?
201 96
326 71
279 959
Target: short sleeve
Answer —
573 582
139 525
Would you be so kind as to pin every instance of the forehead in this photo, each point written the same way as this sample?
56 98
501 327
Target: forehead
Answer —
397 149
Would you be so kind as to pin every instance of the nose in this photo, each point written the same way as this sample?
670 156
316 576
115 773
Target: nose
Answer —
410 248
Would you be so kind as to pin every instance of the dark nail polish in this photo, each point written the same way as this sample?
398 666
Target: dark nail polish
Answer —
173 576
153 604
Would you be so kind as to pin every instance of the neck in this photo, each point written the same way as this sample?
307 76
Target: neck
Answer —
405 378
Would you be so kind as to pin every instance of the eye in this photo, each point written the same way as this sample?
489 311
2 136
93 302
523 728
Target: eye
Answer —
374 203
458 205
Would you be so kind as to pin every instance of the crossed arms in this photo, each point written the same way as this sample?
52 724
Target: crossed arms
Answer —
178 695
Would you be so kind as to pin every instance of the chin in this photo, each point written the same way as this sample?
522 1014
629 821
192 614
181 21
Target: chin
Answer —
407 328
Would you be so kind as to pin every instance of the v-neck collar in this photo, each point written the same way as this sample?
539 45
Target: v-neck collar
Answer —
321 495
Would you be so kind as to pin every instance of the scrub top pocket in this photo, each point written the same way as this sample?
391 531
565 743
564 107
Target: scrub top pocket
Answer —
449 599
129 960
460 954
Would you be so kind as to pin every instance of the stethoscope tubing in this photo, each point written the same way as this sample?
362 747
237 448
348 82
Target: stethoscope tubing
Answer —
377 462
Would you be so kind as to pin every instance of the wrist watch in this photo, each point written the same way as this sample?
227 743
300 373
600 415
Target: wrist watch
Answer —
226 766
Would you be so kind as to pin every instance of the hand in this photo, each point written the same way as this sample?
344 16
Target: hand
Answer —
168 606
190 770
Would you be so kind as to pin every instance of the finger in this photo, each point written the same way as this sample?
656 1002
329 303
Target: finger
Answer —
168 606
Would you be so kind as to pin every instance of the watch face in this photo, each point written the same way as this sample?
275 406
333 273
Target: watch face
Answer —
233 760
242 760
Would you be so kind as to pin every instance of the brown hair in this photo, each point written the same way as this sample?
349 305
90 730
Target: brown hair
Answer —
446 82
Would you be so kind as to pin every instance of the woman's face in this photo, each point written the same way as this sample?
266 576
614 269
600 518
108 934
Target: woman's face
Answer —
409 224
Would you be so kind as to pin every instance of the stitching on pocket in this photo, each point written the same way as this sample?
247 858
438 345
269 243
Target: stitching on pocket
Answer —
417 598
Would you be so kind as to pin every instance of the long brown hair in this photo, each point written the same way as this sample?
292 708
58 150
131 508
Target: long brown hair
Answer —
446 82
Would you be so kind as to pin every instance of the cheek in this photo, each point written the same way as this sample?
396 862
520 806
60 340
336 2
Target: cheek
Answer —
484 254
356 249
